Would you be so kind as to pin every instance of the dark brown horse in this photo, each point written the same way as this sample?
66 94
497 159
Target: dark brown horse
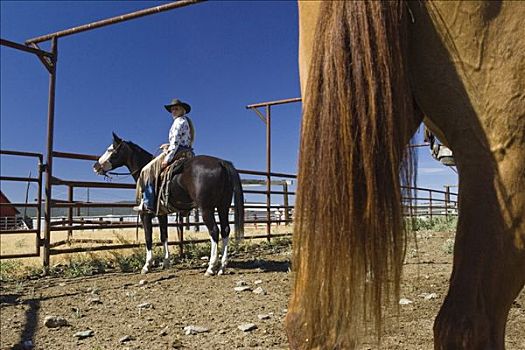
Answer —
207 183
363 64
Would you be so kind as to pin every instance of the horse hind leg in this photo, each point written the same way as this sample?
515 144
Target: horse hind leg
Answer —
208 216
163 226
225 233
489 264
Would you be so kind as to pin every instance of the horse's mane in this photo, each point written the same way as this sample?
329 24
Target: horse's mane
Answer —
349 236
138 149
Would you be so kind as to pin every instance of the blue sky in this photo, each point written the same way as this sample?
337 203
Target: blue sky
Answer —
217 56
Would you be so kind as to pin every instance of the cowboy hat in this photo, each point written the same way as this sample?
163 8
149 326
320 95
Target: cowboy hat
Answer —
177 102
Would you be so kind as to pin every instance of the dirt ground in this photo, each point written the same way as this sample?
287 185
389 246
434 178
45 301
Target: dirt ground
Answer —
108 304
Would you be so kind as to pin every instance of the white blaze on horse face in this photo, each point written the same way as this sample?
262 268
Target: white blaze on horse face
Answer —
104 159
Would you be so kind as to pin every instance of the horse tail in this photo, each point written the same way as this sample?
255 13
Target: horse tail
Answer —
235 181
349 238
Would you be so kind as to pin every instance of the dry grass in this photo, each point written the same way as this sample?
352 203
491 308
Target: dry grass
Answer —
25 243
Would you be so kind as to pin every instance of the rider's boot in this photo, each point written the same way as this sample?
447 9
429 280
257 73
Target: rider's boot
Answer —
147 203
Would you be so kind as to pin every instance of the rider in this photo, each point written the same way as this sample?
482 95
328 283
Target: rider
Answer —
181 137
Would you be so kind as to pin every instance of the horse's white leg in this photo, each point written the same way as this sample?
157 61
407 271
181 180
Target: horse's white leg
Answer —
225 232
208 215
214 257
166 262
224 260
149 258
146 223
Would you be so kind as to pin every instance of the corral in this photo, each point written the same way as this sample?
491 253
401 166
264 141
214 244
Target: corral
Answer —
49 227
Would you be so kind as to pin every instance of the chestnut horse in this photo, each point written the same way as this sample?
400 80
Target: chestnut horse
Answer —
369 71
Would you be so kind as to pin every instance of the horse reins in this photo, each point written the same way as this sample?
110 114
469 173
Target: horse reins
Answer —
122 174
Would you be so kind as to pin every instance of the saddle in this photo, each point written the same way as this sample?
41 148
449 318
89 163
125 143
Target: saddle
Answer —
443 154
166 176
439 152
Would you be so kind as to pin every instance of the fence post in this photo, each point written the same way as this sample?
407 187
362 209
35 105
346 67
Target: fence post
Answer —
431 209
180 232
268 173
447 199
49 165
137 228
70 213
411 206
39 239
286 212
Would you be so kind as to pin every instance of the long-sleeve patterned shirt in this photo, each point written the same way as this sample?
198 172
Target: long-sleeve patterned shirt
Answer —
180 136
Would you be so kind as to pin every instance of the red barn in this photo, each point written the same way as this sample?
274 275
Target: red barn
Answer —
8 213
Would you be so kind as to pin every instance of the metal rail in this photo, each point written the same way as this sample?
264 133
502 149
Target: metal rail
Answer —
13 45
112 20
274 103
156 244
69 224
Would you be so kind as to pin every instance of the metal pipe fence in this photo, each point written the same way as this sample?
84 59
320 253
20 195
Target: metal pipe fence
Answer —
16 229
426 202
269 213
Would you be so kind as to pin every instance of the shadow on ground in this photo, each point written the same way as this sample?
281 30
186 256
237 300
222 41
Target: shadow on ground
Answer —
264 265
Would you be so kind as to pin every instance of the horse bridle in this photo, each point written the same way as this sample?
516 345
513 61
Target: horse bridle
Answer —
120 174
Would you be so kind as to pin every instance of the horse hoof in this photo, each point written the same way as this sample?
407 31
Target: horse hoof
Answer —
144 270
165 264
221 272
209 273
